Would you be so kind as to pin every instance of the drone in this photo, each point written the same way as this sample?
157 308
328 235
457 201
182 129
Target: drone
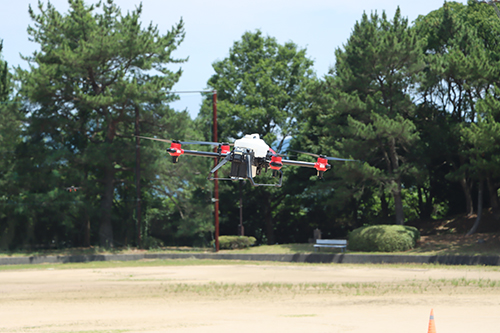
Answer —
72 188
249 156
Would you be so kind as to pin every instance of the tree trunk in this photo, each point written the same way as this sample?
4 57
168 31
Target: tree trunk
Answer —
86 218
269 228
398 204
469 208
492 190
86 227
269 222
424 206
479 208
384 205
106 229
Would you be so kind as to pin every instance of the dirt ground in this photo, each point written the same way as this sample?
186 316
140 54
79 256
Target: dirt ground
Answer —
250 298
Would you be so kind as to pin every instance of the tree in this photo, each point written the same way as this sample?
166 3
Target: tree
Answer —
177 197
95 69
260 89
364 108
461 54
10 137
483 139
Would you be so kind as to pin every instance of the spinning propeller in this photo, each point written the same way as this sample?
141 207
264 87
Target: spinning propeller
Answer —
321 164
175 149
207 143
323 156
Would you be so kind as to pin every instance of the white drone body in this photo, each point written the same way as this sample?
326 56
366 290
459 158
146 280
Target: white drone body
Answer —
253 142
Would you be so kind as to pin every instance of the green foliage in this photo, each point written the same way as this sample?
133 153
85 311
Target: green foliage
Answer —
236 242
11 129
364 110
260 89
100 78
98 73
150 242
383 238
417 104
461 52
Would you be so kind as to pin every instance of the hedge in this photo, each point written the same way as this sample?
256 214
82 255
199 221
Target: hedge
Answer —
383 238
236 242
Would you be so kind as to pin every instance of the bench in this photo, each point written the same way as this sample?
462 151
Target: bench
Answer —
337 243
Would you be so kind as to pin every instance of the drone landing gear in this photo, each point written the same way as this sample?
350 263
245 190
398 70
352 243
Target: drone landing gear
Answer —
249 174
238 172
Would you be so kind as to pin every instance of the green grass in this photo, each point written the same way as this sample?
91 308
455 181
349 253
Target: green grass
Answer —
461 245
207 262
449 286
99 250
439 249
280 249
133 263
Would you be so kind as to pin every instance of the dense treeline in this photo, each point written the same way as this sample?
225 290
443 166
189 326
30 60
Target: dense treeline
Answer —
417 103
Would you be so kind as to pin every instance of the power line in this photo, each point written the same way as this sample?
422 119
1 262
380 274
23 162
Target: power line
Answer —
191 92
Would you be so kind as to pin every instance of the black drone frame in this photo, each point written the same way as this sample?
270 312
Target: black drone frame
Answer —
242 166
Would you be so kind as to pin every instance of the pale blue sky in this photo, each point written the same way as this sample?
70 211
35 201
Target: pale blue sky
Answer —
211 27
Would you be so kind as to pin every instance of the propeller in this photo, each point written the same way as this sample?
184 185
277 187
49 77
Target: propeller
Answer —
275 154
187 142
322 156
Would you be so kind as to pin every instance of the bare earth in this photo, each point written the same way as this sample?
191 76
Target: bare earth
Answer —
249 298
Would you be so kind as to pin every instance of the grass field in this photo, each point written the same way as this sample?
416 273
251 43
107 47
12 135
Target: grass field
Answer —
190 295
446 244
225 296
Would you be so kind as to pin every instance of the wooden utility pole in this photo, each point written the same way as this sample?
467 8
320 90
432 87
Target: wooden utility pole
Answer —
138 177
216 184
241 230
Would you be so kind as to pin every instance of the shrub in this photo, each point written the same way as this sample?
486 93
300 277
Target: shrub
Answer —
150 242
236 242
383 238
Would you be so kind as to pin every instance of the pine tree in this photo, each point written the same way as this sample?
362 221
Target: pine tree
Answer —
10 137
461 53
95 68
364 109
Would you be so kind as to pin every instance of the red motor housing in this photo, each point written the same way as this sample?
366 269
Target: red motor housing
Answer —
175 149
225 149
276 163
321 164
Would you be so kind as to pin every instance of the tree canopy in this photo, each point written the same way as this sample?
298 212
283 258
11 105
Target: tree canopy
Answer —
260 88
417 103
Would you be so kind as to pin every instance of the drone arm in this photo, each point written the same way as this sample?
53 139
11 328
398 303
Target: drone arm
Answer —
321 165
224 161
303 164
203 153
